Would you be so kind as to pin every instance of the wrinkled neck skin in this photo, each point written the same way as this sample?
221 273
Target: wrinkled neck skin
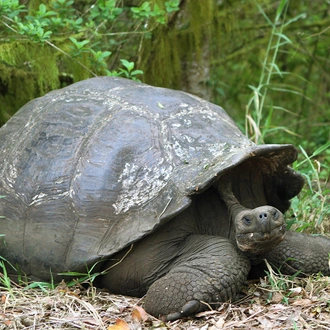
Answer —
233 205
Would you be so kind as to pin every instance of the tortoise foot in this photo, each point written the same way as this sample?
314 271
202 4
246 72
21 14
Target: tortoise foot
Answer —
190 308
208 272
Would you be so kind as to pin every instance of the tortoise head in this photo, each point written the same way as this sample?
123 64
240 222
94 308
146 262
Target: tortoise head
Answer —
259 230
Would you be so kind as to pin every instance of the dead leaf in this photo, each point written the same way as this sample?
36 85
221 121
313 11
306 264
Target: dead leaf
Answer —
207 313
302 302
7 323
3 298
62 288
120 325
265 322
139 314
296 292
277 297
220 323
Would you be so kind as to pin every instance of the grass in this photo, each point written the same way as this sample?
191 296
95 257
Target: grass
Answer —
311 209
4 278
255 110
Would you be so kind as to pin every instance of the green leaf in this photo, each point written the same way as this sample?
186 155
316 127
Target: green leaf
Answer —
280 9
136 72
128 65
294 19
79 44
283 36
172 5
42 9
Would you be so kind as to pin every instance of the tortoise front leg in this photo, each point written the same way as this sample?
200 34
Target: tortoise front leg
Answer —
208 271
301 252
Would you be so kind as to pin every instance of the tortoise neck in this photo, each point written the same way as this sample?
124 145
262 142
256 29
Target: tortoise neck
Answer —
234 207
226 194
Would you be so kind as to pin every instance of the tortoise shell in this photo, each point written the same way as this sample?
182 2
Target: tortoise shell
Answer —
90 168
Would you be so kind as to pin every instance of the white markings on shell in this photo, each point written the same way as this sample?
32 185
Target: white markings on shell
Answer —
176 125
138 189
38 198
41 197
12 174
217 149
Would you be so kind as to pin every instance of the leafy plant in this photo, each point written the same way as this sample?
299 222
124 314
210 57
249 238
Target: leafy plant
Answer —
79 47
128 71
146 11
11 8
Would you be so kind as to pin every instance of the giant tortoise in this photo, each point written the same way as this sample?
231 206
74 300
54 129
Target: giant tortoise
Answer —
157 186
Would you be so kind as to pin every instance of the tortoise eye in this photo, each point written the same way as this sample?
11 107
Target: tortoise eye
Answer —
275 214
247 221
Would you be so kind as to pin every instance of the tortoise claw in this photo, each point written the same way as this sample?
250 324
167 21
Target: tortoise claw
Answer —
188 309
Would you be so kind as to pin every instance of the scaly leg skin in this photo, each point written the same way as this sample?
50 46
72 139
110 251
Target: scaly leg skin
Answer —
301 252
209 271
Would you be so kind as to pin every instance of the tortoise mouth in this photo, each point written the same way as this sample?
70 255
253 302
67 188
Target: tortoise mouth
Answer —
259 243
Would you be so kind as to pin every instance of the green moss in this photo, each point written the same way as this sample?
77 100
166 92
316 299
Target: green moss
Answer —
18 87
165 57
80 67
27 71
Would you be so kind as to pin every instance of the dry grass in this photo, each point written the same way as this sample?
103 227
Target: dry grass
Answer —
275 302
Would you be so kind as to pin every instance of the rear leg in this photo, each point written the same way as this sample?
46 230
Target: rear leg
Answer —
210 270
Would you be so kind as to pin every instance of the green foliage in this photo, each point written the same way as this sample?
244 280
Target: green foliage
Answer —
75 39
44 286
312 207
282 54
255 123
5 280
146 11
82 278
105 10
128 71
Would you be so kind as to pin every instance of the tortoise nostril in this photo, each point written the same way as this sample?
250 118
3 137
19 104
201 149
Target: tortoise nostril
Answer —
263 216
